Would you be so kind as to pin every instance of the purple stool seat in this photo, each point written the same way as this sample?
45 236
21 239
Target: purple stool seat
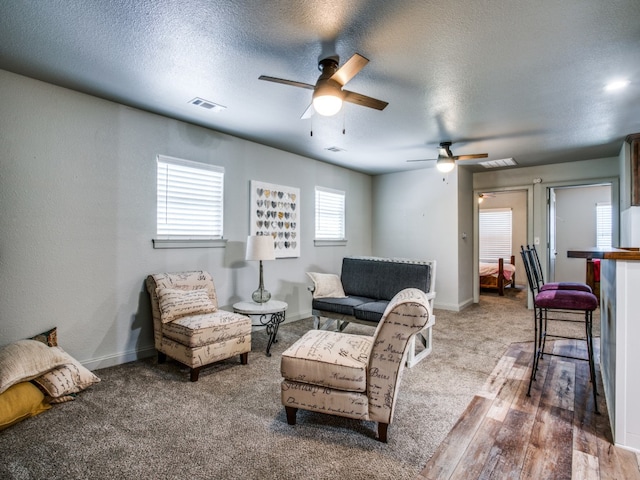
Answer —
581 287
567 299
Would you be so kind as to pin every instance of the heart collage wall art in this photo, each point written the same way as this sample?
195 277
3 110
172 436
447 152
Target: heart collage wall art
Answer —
275 211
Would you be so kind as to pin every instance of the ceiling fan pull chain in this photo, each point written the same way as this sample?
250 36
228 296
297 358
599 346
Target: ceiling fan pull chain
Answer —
344 116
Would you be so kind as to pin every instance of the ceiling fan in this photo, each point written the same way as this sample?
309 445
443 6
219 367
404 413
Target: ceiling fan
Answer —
446 160
328 93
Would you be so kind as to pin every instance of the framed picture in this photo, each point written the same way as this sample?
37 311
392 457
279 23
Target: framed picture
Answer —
275 211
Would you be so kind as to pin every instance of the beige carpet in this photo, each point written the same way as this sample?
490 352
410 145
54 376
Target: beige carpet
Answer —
148 421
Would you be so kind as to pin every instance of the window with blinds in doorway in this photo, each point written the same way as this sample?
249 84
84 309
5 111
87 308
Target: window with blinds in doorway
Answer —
495 232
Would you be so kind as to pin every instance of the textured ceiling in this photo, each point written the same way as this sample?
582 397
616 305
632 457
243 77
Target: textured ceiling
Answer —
514 78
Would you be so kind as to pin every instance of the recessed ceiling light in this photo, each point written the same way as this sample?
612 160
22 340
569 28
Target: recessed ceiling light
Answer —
616 85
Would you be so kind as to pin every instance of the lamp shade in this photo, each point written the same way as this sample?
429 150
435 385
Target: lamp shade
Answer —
260 247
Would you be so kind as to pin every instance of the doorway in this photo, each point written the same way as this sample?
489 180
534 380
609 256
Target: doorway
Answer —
519 200
577 219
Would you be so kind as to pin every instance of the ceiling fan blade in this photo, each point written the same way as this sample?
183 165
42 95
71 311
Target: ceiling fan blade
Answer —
349 70
308 112
286 82
471 157
363 100
424 160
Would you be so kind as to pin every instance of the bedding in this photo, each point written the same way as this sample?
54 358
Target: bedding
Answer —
497 274
493 269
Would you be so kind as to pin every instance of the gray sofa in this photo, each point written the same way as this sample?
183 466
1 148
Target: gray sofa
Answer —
369 283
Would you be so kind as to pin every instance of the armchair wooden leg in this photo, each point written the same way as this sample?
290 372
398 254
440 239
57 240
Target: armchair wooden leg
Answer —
195 372
382 432
162 357
244 358
291 415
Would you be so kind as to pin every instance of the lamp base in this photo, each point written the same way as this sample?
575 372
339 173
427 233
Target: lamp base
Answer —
261 296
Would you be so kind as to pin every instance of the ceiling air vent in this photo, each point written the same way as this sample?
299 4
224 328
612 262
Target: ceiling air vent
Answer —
503 162
206 104
335 149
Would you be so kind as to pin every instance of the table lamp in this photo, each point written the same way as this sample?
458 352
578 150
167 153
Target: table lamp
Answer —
260 248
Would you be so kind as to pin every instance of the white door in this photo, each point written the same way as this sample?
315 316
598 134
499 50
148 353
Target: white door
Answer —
551 245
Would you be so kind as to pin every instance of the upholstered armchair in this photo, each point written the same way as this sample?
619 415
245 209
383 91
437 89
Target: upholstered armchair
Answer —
354 376
189 327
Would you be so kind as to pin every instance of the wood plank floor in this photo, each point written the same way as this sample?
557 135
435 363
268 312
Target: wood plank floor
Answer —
553 434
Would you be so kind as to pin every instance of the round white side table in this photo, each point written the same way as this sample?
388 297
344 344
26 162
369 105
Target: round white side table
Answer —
270 315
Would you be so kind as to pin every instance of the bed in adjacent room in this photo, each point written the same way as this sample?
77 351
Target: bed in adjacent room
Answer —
497 274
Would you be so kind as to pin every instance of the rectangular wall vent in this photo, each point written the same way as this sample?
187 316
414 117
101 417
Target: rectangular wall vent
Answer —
503 162
206 104
335 149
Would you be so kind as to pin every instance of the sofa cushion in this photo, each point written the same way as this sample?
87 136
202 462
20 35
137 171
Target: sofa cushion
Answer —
198 330
371 311
326 285
175 303
343 306
328 359
381 279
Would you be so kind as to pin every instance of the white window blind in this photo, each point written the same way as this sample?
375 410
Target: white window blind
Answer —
329 214
603 225
190 199
495 233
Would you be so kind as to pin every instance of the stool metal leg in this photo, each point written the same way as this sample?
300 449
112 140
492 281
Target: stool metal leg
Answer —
537 326
590 353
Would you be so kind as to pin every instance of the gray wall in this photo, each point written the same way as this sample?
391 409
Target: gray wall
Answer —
78 197
416 216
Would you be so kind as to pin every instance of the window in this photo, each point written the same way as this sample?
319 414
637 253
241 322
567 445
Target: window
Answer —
603 225
190 203
495 233
329 215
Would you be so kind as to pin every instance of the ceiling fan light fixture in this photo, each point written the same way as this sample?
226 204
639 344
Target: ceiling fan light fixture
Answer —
327 97
327 105
445 164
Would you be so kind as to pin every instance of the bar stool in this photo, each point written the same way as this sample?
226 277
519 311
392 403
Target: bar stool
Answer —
565 303
534 260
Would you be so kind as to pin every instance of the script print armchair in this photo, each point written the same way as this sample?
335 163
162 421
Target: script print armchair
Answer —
189 327
354 376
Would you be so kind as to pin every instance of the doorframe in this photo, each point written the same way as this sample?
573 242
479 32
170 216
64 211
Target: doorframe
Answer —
476 230
614 182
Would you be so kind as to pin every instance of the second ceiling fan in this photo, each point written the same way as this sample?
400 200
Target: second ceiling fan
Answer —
446 160
328 93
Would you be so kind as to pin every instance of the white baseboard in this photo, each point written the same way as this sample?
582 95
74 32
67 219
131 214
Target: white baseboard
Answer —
132 355
119 358
454 307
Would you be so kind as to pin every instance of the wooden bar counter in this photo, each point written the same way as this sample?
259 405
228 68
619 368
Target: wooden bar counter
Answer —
619 338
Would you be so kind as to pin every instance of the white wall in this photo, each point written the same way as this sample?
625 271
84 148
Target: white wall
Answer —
78 202
416 216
